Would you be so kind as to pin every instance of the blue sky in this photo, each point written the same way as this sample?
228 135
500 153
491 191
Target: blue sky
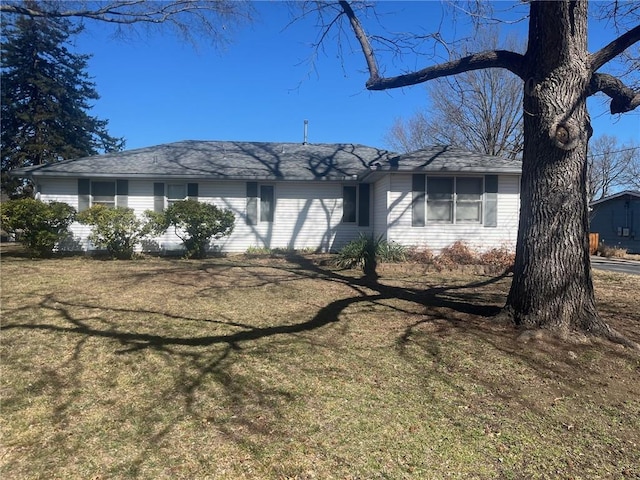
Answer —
157 88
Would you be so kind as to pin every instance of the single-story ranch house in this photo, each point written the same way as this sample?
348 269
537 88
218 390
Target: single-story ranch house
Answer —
301 195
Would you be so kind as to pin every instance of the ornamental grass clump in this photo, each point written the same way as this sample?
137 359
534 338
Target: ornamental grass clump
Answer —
365 251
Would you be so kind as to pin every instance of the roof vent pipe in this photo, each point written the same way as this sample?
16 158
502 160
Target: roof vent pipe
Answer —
306 129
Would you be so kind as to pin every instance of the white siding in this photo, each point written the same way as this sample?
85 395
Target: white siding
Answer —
66 190
380 212
308 215
439 236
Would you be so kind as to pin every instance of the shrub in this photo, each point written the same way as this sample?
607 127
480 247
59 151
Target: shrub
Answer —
422 255
195 223
458 253
118 230
39 226
498 259
609 252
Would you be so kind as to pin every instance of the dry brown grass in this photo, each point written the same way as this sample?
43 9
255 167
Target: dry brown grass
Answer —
283 368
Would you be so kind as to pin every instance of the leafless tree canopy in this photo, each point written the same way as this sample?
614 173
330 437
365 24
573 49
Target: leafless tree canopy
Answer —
623 98
193 19
612 167
480 110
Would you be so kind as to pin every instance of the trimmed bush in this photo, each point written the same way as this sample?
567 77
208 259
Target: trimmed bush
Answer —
117 230
37 225
196 224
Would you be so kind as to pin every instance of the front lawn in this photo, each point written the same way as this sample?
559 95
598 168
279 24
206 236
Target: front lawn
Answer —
288 368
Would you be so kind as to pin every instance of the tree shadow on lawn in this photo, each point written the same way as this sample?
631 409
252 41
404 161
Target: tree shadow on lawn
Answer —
448 309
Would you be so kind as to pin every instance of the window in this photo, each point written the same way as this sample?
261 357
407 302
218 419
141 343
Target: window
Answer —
349 206
356 204
172 193
261 203
175 193
111 193
438 200
468 200
266 203
103 193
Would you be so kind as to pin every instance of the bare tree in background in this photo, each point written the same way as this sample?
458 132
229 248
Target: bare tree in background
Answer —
552 285
478 110
611 167
192 19
633 172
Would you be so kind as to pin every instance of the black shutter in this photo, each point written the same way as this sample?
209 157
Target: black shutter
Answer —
84 194
418 188
364 204
192 191
122 193
158 197
491 201
252 203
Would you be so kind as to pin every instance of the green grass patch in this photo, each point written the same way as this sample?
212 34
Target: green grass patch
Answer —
287 367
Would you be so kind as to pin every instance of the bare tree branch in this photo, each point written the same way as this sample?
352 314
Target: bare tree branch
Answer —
122 12
362 38
193 19
623 98
614 48
480 110
490 59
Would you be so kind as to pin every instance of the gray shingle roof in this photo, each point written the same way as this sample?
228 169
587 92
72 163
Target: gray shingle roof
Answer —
452 159
266 160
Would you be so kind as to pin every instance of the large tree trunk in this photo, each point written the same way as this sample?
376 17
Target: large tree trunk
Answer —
552 285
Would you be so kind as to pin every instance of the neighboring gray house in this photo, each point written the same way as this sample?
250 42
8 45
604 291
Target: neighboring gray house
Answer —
302 196
616 220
